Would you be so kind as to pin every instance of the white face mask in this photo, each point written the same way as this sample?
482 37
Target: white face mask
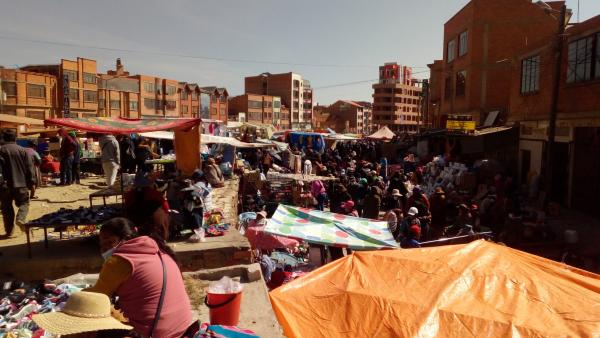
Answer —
108 253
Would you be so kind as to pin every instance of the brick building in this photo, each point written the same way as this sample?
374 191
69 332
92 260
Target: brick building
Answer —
295 92
396 99
194 101
345 117
118 93
320 115
27 94
480 43
576 152
367 116
218 103
81 80
257 109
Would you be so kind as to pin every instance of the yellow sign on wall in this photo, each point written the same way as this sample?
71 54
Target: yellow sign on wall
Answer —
460 125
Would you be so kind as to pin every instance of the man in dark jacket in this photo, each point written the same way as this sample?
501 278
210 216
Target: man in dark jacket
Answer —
68 146
18 176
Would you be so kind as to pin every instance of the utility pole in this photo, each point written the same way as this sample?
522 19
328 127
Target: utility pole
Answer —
554 103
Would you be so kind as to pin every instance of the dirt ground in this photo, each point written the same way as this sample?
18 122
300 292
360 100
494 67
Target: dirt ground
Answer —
51 198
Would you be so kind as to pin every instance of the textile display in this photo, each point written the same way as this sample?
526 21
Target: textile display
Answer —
116 125
327 228
478 289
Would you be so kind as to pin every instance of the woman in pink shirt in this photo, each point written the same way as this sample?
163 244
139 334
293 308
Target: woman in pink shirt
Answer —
135 270
319 193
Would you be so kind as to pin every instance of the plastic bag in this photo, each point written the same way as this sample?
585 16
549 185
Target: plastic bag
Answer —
225 285
198 236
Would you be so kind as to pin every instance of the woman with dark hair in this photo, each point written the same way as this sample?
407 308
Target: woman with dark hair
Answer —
143 272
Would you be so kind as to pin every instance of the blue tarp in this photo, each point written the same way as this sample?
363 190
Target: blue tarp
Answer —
302 140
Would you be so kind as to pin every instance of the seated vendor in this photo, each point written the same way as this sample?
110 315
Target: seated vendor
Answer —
213 173
49 163
141 196
139 269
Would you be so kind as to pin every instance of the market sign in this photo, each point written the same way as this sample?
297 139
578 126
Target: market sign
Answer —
460 125
66 98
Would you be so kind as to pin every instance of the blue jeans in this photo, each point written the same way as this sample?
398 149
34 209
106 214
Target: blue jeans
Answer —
321 198
66 169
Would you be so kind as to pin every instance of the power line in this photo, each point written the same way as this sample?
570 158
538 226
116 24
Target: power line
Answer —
359 82
185 56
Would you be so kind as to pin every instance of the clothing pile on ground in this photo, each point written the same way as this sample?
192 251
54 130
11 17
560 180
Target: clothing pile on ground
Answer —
20 301
81 215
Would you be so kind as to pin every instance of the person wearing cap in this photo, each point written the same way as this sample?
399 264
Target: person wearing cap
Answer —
145 199
462 226
438 212
17 176
193 199
348 208
393 217
420 201
138 267
411 219
394 200
412 240
86 314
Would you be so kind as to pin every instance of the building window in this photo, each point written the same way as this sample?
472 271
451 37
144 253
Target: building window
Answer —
9 88
71 75
581 60
184 95
171 90
451 50
448 88
90 96
213 111
184 109
223 111
74 94
133 105
254 104
530 75
149 87
267 104
171 105
463 43
37 91
276 104
150 103
194 96
36 114
115 104
461 82
89 78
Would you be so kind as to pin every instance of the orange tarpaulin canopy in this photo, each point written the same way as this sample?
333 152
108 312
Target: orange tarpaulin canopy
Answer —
478 289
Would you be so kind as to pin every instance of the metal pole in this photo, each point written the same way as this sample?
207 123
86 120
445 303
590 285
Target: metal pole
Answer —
554 104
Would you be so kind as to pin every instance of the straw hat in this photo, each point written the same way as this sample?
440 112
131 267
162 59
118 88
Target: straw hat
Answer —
83 312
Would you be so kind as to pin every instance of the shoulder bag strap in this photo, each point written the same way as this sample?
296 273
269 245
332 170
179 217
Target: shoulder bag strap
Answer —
162 296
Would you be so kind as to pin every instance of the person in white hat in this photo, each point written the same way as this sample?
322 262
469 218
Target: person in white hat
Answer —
409 221
85 315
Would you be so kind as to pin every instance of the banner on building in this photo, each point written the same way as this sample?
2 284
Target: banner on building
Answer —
66 98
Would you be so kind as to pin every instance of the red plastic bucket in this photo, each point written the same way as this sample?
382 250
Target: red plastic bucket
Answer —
224 308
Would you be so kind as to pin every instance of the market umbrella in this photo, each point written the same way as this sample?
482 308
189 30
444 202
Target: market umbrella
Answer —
477 289
259 239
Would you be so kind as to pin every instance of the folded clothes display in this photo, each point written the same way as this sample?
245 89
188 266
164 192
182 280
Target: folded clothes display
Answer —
77 216
20 301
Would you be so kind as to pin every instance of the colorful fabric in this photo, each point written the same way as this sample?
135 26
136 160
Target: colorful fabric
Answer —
123 126
222 331
330 229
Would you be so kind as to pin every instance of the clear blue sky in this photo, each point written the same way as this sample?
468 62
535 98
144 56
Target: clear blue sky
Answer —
356 34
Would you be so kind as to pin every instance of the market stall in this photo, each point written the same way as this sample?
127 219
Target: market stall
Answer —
382 134
476 289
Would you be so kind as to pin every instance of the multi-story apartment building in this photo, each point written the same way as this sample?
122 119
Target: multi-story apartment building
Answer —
77 85
575 168
194 101
284 118
367 116
480 43
345 117
320 115
396 99
295 93
158 97
257 108
27 94
118 93
218 103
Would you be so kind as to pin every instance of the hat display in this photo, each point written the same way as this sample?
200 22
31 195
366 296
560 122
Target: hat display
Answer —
396 192
413 211
83 312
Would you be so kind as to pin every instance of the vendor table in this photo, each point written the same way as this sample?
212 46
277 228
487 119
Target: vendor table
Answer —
104 193
160 162
29 226
300 177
